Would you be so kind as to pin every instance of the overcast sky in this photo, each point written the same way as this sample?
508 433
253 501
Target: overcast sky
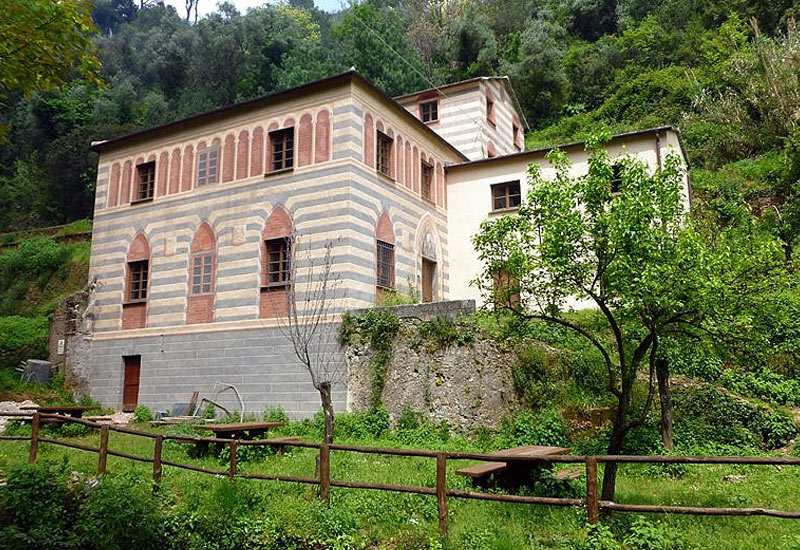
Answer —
207 6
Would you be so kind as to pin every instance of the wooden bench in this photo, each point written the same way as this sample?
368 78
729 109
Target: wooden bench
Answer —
514 471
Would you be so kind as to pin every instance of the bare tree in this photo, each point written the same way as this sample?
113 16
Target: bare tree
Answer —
310 322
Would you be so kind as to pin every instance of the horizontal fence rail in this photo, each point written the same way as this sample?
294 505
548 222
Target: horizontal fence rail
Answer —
593 503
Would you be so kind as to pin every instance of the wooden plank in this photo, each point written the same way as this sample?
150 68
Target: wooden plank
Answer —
483 469
240 426
487 468
592 504
102 456
441 492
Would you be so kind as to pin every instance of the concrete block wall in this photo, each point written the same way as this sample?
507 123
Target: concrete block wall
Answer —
260 362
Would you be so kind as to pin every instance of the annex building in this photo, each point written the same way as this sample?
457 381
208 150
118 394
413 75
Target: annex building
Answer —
190 251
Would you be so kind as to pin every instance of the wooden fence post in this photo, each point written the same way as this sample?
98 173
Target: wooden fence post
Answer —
232 472
34 438
592 505
102 457
441 492
324 472
157 460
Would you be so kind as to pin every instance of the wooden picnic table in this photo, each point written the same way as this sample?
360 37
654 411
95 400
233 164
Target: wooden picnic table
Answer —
66 410
510 472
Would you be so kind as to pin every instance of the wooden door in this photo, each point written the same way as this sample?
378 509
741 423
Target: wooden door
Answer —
130 388
428 272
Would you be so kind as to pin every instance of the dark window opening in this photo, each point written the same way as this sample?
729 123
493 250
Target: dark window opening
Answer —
430 111
137 280
616 179
278 262
427 181
517 137
202 273
282 149
490 110
207 166
146 177
385 265
506 195
384 154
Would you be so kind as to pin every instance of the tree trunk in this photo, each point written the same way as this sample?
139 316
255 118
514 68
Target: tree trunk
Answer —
665 396
614 448
327 409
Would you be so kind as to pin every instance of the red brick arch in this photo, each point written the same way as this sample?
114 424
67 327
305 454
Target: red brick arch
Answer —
175 171
369 141
257 152
322 137
188 168
274 300
228 154
384 230
200 307
113 186
125 192
242 154
139 249
305 140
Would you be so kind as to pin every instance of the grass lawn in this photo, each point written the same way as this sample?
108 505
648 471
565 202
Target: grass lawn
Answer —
393 520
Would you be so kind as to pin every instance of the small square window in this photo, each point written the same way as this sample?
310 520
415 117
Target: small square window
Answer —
384 154
506 195
282 149
207 166
146 181
430 111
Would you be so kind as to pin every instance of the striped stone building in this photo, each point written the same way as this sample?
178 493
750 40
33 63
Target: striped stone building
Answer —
189 244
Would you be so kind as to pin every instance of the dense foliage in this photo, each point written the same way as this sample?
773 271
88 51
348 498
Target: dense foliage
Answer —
576 66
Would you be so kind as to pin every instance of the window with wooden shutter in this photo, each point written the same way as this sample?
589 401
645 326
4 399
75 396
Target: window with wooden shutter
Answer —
207 166
385 265
138 273
202 273
146 181
282 142
430 111
384 154
616 179
427 181
506 195
278 264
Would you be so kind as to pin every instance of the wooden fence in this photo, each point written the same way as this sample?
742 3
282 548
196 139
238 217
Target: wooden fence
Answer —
592 502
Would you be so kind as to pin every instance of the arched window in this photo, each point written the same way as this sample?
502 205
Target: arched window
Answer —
202 276
137 283
276 257
384 256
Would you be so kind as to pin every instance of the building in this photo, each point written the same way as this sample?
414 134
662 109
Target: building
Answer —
189 246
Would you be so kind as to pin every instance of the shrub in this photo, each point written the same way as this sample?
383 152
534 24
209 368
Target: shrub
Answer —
530 428
645 535
276 414
142 414
22 338
600 537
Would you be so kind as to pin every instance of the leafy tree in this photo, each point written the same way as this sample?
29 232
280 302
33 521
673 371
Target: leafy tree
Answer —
42 41
634 254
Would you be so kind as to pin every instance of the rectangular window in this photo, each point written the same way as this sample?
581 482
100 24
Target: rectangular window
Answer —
384 154
282 148
137 281
506 195
146 179
202 272
490 110
207 166
430 111
517 131
278 262
385 265
427 181
616 179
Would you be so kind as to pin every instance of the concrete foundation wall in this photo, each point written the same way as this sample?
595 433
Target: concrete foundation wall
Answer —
260 362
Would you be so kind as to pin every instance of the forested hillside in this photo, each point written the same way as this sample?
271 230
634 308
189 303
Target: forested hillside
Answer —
724 71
